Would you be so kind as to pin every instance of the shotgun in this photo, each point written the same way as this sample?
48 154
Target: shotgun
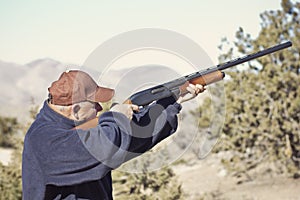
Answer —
204 77
178 86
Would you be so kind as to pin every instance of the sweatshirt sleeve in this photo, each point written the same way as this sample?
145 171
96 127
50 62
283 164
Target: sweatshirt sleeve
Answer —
152 127
116 139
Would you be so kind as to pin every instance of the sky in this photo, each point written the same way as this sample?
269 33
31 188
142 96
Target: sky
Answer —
69 30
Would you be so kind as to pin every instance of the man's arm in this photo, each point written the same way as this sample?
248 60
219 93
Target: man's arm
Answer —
128 109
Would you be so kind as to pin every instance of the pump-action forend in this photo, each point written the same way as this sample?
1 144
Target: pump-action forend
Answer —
204 77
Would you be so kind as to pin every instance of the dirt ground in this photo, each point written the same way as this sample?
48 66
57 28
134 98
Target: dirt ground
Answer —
207 180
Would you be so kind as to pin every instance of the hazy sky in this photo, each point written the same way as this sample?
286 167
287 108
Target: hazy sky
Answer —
69 30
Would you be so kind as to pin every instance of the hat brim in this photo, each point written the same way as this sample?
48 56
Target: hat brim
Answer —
102 94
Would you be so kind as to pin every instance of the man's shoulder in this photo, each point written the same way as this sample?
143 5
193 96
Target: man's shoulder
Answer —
41 130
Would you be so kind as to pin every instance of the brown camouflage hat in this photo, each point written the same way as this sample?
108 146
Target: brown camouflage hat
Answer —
75 86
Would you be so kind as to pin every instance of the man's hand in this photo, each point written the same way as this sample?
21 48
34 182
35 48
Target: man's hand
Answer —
193 91
126 109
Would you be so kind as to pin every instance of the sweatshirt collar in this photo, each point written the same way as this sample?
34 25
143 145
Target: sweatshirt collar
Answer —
50 115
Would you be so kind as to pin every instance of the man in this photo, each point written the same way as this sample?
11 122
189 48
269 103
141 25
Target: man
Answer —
62 161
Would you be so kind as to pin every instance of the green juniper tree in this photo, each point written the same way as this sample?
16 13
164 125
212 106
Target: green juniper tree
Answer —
156 185
262 122
10 175
8 128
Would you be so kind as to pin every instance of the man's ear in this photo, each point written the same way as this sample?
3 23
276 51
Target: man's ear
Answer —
75 110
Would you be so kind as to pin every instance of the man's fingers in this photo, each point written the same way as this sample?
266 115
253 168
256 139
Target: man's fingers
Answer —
126 109
135 107
191 89
195 89
200 88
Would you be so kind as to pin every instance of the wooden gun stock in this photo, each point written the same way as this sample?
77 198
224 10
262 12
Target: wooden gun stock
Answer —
87 125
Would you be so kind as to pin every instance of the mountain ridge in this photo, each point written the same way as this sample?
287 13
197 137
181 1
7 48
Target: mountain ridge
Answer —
24 86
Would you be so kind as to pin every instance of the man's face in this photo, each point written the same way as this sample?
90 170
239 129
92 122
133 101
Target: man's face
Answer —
88 110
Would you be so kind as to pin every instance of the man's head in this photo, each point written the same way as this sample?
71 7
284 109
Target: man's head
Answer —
78 95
